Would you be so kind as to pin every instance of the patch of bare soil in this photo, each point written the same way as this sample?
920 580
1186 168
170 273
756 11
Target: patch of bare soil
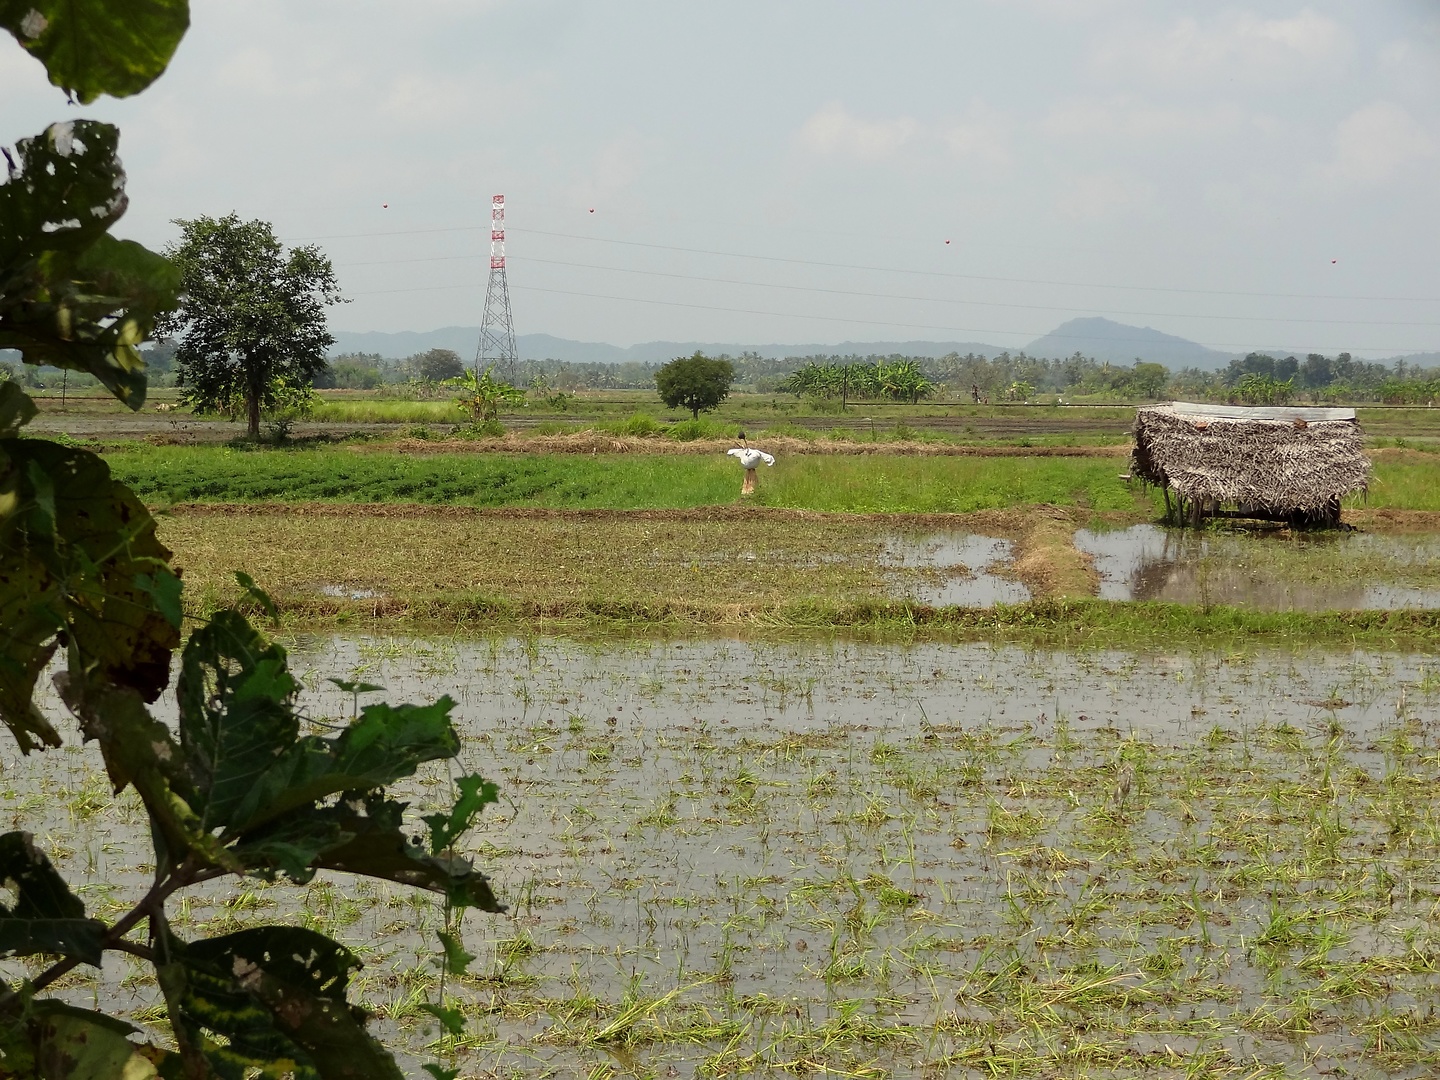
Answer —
1390 520
590 442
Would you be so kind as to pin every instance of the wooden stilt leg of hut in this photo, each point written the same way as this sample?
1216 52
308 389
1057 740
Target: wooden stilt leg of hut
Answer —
1168 513
748 487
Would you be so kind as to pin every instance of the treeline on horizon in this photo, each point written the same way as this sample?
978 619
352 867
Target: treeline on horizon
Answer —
1257 378
1260 377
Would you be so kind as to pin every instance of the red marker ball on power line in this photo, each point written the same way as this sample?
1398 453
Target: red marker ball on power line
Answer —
592 209
1334 261
947 241
384 206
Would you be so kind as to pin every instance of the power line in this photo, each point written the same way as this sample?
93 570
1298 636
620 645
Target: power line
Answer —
902 296
837 319
890 269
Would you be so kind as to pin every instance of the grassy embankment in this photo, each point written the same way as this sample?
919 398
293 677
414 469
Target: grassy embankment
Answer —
852 483
529 538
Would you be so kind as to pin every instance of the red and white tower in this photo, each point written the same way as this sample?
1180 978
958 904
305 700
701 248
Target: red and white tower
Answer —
497 331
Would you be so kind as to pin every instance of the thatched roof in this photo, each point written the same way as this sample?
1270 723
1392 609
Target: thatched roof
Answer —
1281 460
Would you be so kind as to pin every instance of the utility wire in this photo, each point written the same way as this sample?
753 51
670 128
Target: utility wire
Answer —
838 319
882 269
527 259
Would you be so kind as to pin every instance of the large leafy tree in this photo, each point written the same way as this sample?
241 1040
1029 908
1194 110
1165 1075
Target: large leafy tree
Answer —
232 784
251 320
697 383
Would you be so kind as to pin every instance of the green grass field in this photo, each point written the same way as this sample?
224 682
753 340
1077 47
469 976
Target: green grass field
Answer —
855 483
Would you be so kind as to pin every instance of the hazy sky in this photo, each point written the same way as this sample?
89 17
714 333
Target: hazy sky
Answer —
1247 175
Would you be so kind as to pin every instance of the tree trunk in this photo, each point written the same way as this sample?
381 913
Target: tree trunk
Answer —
252 409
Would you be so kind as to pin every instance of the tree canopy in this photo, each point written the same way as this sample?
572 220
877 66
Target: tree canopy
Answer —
251 321
697 383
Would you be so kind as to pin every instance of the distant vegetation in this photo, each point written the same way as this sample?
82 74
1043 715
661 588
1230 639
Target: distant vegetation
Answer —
1256 379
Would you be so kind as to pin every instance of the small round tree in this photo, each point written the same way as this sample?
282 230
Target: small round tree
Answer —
697 383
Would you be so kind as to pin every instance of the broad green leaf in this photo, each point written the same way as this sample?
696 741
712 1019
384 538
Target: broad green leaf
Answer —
378 848
439 1072
46 916
451 1019
65 188
71 295
385 743
140 751
74 546
236 714
362 835
77 1043
94 47
164 589
259 595
277 995
16 410
457 959
475 794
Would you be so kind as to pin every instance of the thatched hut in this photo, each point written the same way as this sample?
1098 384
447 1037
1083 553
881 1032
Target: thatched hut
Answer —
1285 464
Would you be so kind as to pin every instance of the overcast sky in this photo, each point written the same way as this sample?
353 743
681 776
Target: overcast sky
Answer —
1248 175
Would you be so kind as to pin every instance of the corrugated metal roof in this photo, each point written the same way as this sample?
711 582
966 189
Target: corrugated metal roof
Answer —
1260 412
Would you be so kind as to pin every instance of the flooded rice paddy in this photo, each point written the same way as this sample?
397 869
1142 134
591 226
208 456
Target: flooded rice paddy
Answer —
1275 571
728 858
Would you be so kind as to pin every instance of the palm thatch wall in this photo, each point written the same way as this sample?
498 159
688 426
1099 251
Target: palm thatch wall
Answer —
1288 464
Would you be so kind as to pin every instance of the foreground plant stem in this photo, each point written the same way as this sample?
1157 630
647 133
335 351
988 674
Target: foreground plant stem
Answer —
151 906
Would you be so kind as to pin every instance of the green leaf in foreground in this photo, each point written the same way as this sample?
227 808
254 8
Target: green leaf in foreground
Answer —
386 743
254 592
16 410
46 917
363 836
70 1042
451 1019
236 714
94 47
277 996
475 794
72 295
78 559
457 958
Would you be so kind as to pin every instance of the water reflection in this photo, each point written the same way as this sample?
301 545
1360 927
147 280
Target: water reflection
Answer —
1282 571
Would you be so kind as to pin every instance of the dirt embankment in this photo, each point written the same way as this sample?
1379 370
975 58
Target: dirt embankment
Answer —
591 442
1047 560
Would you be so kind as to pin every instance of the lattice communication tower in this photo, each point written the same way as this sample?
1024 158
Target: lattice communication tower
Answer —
497 331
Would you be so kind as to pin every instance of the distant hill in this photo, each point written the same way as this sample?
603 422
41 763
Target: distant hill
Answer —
1121 344
1104 339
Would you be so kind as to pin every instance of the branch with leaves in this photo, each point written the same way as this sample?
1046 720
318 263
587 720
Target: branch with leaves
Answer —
232 785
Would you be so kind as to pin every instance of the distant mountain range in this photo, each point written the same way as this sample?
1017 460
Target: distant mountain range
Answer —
1102 339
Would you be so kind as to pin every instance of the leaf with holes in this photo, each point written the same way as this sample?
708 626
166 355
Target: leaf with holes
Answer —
237 713
71 295
277 995
78 559
94 47
47 917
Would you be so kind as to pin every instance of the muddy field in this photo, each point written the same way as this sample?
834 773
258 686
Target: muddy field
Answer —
730 858
742 564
